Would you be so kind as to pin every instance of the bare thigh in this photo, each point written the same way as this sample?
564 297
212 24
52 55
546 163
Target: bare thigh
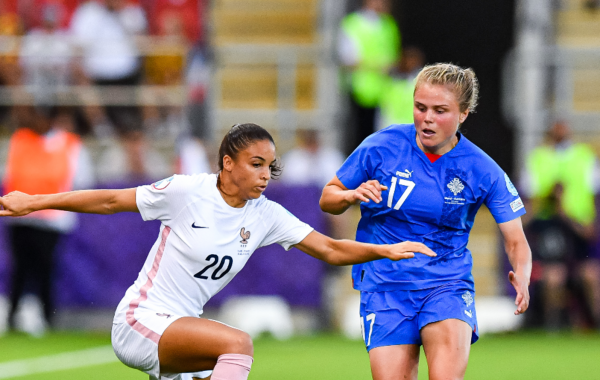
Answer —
395 362
193 344
447 345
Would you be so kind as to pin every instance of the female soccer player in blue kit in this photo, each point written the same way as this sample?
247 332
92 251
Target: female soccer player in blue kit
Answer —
425 182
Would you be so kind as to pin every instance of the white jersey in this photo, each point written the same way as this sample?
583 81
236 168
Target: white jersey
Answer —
203 243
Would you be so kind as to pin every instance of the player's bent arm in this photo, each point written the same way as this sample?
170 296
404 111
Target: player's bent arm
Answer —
336 198
519 255
347 252
85 201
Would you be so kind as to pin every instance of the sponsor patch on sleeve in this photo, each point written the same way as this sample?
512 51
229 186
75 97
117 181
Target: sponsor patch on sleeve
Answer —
517 204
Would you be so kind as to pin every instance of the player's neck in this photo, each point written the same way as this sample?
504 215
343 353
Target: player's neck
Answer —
439 150
230 192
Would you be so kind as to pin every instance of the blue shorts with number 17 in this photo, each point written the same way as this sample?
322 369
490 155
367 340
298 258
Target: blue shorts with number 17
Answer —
397 317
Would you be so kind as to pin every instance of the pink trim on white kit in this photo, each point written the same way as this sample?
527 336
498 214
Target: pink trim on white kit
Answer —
145 331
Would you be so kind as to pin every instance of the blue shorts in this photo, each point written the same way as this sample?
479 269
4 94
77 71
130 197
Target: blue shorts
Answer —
397 317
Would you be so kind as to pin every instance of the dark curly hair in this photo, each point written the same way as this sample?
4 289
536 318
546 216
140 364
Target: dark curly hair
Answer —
240 137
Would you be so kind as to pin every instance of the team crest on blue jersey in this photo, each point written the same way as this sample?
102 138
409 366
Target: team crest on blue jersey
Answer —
162 184
456 186
509 185
245 235
468 298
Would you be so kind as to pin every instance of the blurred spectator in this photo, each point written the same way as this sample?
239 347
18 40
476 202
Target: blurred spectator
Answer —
165 66
192 148
186 13
192 157
105 32
10 26
46 56
396 104
29 11
368 48
561 179
310 163
44 157
132 161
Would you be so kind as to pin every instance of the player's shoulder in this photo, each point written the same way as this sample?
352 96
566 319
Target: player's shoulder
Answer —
478 162
474 154
182 183
268 208
392 136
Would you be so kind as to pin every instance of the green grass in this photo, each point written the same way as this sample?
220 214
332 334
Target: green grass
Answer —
528 355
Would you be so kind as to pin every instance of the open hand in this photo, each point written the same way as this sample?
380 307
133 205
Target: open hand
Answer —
370 190
406 250
521 285
15 204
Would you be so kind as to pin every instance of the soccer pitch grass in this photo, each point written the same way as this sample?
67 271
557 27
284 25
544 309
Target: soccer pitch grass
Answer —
523 355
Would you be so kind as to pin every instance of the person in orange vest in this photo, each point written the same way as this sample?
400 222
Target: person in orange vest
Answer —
43 157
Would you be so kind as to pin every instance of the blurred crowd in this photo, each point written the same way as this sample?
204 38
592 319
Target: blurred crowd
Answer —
561 182
89 58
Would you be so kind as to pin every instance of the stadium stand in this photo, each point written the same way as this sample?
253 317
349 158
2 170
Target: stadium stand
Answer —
273 65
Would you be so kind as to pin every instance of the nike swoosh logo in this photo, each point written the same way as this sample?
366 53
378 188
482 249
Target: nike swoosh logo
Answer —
195 226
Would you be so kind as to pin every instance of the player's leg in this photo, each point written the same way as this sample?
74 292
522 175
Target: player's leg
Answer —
400 362
447 345
448 322
193 344
391 334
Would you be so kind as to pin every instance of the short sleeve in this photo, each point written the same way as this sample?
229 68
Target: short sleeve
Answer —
358 167
285 229
503 199
163 200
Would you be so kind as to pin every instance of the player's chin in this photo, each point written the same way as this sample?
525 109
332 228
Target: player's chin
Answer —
257 192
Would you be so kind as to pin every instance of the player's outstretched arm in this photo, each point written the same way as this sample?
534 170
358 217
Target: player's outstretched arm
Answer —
347 252
519 255
336 198
86 201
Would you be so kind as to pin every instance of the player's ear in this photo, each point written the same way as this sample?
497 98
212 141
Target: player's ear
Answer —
463 116
228 163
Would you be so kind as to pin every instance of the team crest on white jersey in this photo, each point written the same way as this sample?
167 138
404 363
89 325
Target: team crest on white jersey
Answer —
456 186
245 235
468 298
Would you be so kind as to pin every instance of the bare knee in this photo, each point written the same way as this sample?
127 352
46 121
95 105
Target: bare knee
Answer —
240 343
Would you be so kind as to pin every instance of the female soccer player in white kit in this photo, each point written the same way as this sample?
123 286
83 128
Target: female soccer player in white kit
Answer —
211 224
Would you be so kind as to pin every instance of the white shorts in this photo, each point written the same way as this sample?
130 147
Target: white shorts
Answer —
137 347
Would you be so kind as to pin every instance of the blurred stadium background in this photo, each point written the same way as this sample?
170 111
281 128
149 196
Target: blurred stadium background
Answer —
208 64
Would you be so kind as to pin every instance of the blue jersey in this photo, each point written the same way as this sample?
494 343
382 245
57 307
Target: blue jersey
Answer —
433 203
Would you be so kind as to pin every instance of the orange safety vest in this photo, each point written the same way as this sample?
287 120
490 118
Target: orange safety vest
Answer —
41 164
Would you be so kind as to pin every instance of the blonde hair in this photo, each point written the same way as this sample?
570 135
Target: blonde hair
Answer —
462 81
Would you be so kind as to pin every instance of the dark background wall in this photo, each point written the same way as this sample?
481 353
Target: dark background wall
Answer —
472 33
